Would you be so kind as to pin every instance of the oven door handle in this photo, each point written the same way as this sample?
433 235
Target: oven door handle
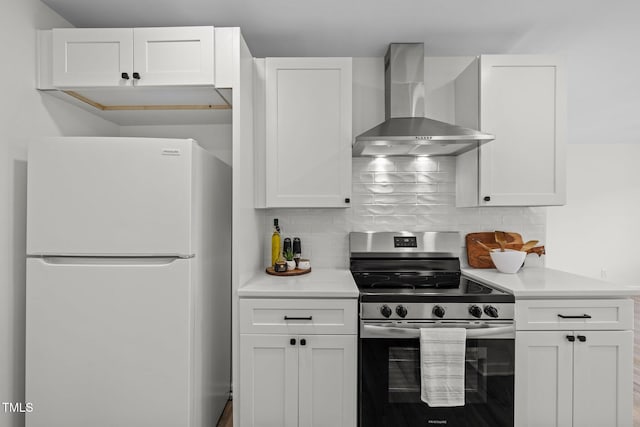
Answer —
374 331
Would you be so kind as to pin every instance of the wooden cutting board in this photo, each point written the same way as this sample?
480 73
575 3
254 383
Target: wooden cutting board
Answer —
478 257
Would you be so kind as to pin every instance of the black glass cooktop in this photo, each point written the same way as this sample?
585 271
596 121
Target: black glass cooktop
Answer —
406 280
415 286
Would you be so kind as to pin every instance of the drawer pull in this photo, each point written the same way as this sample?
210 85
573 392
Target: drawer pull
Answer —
581 316
298 318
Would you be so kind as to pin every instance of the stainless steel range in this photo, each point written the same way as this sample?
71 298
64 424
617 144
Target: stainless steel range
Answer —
409 281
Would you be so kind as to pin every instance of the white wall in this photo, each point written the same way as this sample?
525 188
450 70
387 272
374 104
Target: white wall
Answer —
598 228
603 89
24 114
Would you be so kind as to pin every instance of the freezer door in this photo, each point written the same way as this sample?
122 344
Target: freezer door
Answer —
109 196
107 344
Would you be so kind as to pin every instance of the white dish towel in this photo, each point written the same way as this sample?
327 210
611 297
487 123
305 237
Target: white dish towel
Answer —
442 352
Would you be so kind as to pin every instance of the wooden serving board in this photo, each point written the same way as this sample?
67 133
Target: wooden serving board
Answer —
478 257
295 272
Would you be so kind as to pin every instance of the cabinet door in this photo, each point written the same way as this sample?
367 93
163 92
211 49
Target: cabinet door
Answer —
268 381
543 379
174 56
327 372
308 132
92 57
603 379
522 103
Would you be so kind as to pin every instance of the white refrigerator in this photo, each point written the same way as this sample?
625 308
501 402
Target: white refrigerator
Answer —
128 283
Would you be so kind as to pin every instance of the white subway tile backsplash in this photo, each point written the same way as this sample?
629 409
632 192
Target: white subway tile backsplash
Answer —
417 164
397 221
373 210
446 164
380 164
413 188
436 177
384 177
361 199
437 199
396 198
435 209
390 194
362 223
447 188
368 177
438 222
524 219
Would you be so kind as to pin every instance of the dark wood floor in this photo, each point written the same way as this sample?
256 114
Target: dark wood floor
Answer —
226 420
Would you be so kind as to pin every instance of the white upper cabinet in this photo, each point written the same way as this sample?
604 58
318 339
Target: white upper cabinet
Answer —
521 99
92 56
308 132
112 57
173 56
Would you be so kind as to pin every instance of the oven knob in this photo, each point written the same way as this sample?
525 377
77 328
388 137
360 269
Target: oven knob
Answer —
438 311
475 311
385 310
401 311
491 311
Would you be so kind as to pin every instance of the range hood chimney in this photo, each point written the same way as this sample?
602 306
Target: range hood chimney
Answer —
405 131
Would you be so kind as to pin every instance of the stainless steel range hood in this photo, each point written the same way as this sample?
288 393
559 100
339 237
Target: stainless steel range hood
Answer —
406 132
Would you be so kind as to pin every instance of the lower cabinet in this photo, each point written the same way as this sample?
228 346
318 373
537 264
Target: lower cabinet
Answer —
290 381
300 378
575 378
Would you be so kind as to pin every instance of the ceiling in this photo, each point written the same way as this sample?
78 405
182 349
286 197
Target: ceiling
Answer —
354 27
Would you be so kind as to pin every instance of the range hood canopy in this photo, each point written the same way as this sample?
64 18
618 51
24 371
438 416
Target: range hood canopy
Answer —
406 132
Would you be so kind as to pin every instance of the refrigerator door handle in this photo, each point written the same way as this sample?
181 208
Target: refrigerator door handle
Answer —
104 260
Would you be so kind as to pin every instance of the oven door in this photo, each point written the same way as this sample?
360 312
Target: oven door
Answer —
389 377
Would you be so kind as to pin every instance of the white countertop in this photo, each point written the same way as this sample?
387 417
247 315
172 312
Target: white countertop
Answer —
545 283
319 283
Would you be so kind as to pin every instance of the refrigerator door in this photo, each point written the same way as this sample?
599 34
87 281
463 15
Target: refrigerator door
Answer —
110 196
108 342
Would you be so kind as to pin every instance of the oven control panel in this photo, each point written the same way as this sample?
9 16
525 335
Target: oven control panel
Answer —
437 311
405 242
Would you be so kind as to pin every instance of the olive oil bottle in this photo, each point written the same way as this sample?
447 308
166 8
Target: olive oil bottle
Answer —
275 242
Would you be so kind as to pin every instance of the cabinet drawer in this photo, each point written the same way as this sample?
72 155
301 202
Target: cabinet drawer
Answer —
298 316
574 314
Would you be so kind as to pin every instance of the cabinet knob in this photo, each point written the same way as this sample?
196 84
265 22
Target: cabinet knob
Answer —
485 198
571 338
347 200
292 341
136 76
303 342
125 76
582 338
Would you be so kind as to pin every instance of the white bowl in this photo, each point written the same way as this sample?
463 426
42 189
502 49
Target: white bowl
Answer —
508 261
